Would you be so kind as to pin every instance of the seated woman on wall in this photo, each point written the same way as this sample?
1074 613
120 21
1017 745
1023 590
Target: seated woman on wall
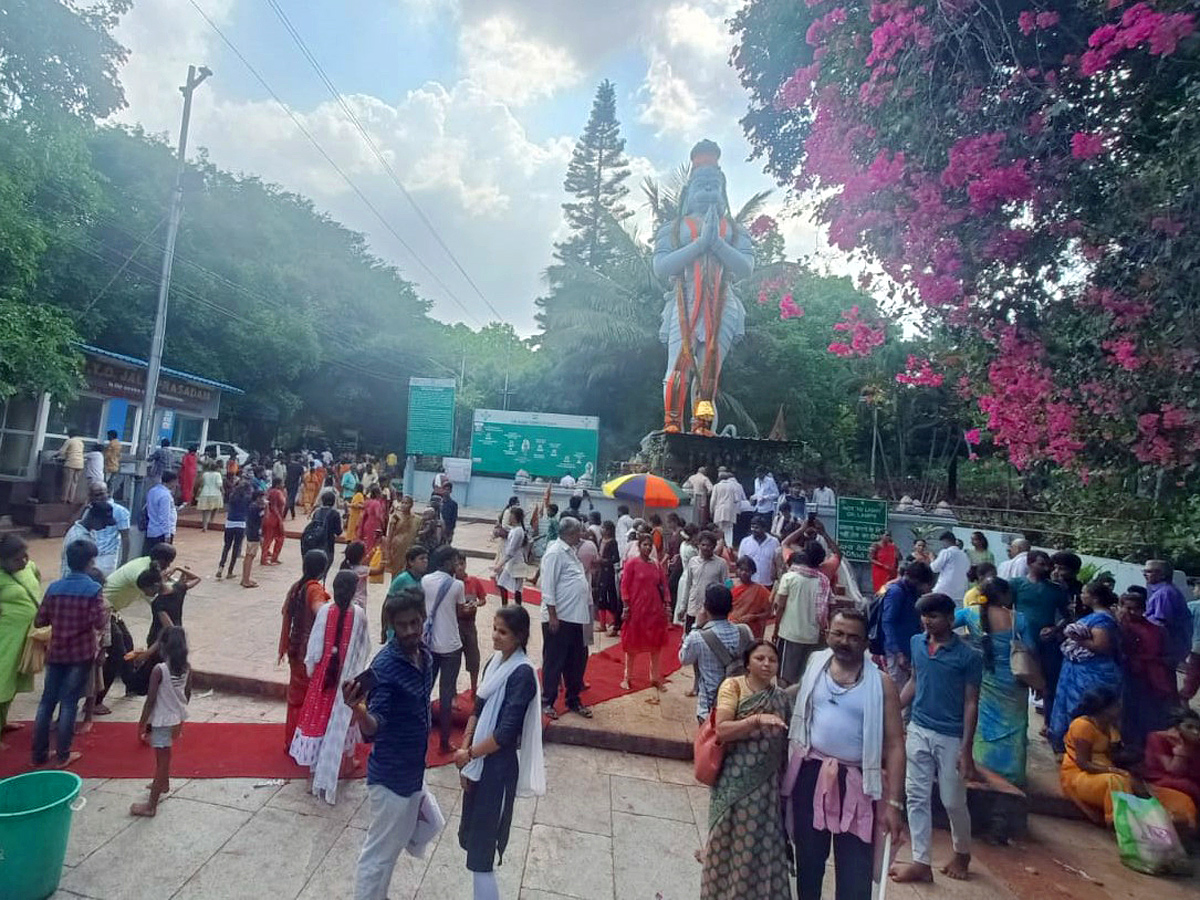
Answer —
1173 756
1088 774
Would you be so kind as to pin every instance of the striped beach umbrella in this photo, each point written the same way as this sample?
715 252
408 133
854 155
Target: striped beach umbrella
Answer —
646 489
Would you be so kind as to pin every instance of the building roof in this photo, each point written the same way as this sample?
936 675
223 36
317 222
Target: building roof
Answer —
174 373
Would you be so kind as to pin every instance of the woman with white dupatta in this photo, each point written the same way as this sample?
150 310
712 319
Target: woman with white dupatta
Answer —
339 648
501 757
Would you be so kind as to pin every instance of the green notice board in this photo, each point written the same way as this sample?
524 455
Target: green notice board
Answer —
546 445
859 525
430 417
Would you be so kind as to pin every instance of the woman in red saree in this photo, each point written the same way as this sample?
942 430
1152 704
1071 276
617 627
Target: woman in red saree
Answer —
885 561
374 517
300 608
1173 756
272 528
339 649
187 474
644 627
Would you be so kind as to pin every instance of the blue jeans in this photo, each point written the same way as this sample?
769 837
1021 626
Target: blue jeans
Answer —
63 687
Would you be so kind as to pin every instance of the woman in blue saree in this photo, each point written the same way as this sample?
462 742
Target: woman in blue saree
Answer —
1001 738
1090 659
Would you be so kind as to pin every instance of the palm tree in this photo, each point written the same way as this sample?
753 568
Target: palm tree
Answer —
663 199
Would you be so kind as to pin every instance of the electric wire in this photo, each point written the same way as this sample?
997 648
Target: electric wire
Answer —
354 120
338 169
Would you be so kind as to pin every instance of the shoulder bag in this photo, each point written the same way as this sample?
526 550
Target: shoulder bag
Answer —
33 654
1025 665
708 753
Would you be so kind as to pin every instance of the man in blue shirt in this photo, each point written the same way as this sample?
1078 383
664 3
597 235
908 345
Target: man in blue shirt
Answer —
944 694
394 716
160 513
900 620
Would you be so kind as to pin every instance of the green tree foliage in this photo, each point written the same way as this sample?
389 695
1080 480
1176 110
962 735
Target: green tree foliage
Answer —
59 56
600 339
37 351
596 179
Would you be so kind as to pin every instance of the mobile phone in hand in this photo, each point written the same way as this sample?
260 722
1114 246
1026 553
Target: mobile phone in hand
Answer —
366 681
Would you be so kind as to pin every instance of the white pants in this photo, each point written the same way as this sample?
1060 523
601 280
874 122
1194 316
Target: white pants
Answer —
393 821
931 754
727 528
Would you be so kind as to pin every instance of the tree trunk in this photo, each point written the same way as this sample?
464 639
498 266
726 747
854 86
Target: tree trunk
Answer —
952 477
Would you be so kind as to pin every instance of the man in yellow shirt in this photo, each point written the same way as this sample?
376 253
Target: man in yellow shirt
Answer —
112 458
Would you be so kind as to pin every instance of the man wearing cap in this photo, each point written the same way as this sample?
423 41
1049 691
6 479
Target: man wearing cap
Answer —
703 252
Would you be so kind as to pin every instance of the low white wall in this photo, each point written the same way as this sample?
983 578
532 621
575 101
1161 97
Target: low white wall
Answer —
902 524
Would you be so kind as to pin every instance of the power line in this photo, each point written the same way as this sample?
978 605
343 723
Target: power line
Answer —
117 274
312 140
337 95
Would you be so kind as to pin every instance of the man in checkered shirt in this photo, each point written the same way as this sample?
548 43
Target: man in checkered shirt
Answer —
74 609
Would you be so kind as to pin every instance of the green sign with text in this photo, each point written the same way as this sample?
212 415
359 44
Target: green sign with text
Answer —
543 445
859 525
430 417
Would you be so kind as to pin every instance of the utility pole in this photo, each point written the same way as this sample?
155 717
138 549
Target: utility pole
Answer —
194 80
146 424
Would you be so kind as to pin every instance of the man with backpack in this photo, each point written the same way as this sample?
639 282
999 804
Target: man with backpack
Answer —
444 597
322 531
716 646
899 620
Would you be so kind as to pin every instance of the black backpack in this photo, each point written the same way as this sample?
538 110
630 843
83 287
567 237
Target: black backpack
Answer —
875 627
316 534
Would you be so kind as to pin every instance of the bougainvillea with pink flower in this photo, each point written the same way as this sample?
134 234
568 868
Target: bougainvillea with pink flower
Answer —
1026 174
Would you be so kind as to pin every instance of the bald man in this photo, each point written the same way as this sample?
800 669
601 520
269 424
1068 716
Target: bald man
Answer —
1017 564
1166 606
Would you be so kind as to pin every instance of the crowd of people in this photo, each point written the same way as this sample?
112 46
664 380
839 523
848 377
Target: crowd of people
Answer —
838 709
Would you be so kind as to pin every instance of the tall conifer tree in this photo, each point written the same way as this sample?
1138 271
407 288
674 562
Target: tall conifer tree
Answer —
596 179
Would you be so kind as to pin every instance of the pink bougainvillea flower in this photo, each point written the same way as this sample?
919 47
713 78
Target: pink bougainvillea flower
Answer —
972 437
788 308
1085 146
919 371
764 224
865 335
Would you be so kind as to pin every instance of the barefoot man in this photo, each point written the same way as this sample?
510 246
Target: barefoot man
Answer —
845 733
944 693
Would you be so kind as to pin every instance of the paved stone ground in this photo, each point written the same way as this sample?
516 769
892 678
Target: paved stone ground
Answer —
612 825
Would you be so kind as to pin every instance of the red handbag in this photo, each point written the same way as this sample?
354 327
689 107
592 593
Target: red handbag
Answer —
708 753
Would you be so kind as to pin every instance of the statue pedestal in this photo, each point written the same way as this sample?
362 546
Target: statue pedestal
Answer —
678 455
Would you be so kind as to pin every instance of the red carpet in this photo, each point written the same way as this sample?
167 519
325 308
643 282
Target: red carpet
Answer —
250 750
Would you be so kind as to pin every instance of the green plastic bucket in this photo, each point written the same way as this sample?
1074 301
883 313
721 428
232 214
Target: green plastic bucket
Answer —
35 822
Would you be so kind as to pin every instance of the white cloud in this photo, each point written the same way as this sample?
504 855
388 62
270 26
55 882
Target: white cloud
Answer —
461 148
500 57
670 105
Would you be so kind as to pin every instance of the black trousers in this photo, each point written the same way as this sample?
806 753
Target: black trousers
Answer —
564 656
853 860
233 541
446 667
114 660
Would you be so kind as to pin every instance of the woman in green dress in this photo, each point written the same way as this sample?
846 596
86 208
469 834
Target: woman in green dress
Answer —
745 857
979 552
20 593
1001 738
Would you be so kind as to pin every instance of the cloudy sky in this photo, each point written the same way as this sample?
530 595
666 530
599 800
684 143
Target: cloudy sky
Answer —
475 104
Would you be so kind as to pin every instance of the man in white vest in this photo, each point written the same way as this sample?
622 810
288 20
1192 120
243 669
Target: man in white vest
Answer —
846 731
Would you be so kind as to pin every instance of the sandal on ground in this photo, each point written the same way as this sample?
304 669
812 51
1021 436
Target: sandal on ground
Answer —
581 710
549 712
